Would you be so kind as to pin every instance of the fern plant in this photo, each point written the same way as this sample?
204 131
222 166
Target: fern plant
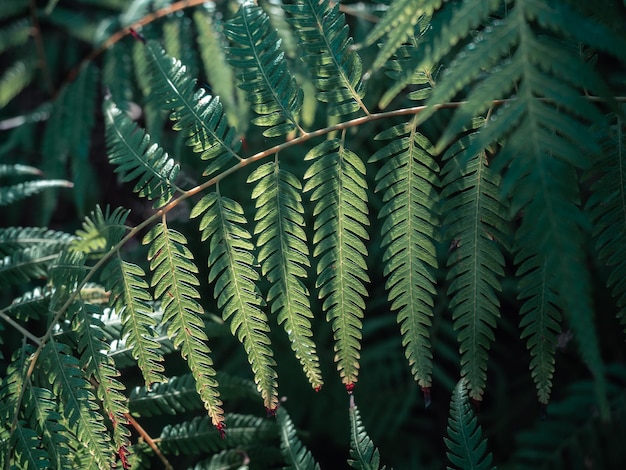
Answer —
241 196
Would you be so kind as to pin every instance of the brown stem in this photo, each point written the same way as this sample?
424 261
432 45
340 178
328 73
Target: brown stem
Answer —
146 437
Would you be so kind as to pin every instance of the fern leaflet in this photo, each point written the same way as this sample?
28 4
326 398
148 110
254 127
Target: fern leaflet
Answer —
337 181
284 257
231 264
363 454
297 456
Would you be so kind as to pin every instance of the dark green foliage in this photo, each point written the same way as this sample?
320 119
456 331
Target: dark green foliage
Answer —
475 229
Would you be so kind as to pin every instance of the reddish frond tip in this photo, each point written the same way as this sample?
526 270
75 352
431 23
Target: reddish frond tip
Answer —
123 452
137 36
221 427
427 397
318 388
350 387
271 412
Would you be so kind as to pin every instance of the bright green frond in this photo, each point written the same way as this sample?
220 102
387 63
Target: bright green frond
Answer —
607 207
235 278
25 443
101 230
70 386
136 158
14 79
409 181
336 180
270 87
475 221
131 298
467 448
297 456
174 279
196 113
334 64
284 258
17 192
363 454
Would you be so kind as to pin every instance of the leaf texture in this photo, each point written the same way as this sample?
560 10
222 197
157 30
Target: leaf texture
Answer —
296 455
334 64
336 180
17 192
409 179
270 88
135 157
174 279
232 271
284 258
475 218
196 113
363 454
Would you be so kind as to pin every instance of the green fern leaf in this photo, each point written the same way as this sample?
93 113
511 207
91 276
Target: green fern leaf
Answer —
17 169
130 297
174 281
225 460
284 257
62 371
231 264
101 230
14 80
408 179
25 442
15 34
464 442
270 88
26 265
363 454
13 239
17 192
475 218
198 114
607 207
334 64
117 74
296 455
40 409
31 305
136 157
337 181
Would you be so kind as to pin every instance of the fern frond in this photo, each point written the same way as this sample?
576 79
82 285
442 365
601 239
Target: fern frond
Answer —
15 34
337 181
135 157
96 363
130 297
363 454
101 230
270 88
475 217
224 460
199 115
40 409
25 442
62 371
231 264
466 446
409 180
198 435
607 207
17 169
117 74
284 257
334 64
14 80
174 281
31 305
17 192
13 239
297 456
26 265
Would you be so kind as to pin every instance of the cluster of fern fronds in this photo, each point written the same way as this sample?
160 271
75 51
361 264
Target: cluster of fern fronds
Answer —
228 196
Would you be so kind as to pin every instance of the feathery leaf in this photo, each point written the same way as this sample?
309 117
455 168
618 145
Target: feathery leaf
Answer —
363 454
296 455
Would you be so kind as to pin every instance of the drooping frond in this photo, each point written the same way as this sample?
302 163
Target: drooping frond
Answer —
26 265
131 298
33 304
25 443
409 179
232 271
17 192
198 435
70 386
284 258
17 169
14 239
14 79
467 448
363 454
133 154
270 88
337 181
334 64
297 456
199 115
475 221
607 207
101 230
174 279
